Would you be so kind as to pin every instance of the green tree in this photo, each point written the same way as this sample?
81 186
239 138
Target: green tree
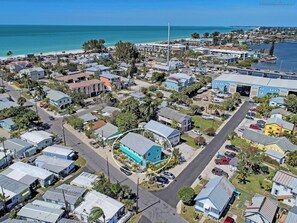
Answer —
125 52
186 195
158 76
96 213
206 35
9 53
291 103
94 45
75 122
174 124
148 109
21 101
199 140
210 131
131 105
271 50
159 94
291 158
195 35
126 121
39 93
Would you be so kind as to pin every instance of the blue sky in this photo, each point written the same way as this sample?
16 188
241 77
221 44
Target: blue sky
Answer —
149 12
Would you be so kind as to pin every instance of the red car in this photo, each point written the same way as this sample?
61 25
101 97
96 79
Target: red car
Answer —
229 220
254 126
222 161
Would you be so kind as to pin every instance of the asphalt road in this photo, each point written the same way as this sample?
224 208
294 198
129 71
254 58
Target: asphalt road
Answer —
150 205
195 168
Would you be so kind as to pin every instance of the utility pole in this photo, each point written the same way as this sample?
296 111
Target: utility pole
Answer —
65 202
108 174
4 198
137 195
168 45
63 131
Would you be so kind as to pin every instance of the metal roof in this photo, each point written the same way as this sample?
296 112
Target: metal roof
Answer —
261 208
274 153
218 190
54 95
138 143
286 178
16 144
107 130
19 176
109 76
280 122
59 150
12 185
88 117
292 215
72 193
40 213
85 180
30 170
161 129
173 114
278 100
53 164
36 136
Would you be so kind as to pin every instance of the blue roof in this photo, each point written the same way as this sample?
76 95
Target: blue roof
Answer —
218 190
292 215
8 121
278 100
161 129
109 76
274 154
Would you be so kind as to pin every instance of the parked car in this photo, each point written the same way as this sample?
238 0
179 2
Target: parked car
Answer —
200 91
219 172
198 98
167 175
125 170
222 161
220 155
261 123
241 129
232 148
196 132
251 113
205 98
249 117
230 155
255 126
229 220
51 118
94 144
162 180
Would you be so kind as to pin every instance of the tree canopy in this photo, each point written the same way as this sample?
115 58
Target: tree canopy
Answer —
125 52
186 194
93 45
195 35
126 121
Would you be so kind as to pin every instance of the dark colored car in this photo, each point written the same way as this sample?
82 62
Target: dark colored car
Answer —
230 155
51 118
249 117
232 148
254 126
125 170
219 172
261 123
222 161
162 180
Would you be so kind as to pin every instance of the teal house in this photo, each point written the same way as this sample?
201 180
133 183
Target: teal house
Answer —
140 150
7 124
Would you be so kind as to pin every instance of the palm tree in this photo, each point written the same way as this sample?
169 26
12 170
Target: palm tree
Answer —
40 93
9 53
21 101
2 139
2 198
26 79
96 213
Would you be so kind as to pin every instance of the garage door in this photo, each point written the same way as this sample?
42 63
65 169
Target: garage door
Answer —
232 88
254 91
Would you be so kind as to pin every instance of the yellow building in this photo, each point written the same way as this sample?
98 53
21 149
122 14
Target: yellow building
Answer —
265 142
277 127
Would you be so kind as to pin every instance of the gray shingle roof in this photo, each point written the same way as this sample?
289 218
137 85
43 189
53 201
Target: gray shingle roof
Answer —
161 129
137 143
16 144
54 95
12 185
108 130
173 114
263 139
286 178
88 117
280 122
53 164
292 215
218 190
274 154
72 193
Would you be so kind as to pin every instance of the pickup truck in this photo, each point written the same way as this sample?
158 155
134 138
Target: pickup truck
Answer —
222 161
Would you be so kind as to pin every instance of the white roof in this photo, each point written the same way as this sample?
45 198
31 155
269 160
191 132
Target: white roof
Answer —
254 80
109 205
30 170
60 150
85 180
36 136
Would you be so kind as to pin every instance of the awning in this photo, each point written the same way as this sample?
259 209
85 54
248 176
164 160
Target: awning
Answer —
282 197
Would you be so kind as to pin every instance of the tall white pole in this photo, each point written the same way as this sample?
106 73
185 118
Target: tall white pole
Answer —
168 47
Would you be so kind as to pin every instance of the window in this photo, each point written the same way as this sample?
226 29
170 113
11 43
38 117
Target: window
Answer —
149 154
276 192
213 210
199 204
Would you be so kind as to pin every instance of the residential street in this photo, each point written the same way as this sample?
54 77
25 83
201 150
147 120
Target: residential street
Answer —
155 206
194 169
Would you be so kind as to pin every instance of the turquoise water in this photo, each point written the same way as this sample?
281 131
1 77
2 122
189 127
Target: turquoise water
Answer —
21 39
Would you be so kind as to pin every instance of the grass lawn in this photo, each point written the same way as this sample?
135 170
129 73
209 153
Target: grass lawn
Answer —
189 141
135 219
204 124
81 162
151 187
188 213
239 142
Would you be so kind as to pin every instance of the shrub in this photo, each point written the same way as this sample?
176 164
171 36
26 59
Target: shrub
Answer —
210 131
199 140
270 160
186 195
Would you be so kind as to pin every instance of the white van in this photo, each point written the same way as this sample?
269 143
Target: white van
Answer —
217 100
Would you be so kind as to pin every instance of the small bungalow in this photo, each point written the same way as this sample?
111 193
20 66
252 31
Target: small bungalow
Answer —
107 132
59 99
108 111
273 154
88 118
61 152
278 113
111 80
138 95
17 147
40 139
97 125
261 209
140 150
84 180
277 102
292 215
8 124
215 197
277 127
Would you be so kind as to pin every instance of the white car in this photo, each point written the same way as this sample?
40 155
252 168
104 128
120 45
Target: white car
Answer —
197 132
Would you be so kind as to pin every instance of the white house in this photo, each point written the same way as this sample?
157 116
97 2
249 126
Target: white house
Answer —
215 197
34 73
277 102
59 99
40 139
112 209
284 187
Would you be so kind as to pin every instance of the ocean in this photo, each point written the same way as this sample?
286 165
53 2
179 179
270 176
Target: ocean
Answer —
26 39
286 54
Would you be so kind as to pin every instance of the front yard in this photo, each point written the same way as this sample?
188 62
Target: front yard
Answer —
189 140
205 124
